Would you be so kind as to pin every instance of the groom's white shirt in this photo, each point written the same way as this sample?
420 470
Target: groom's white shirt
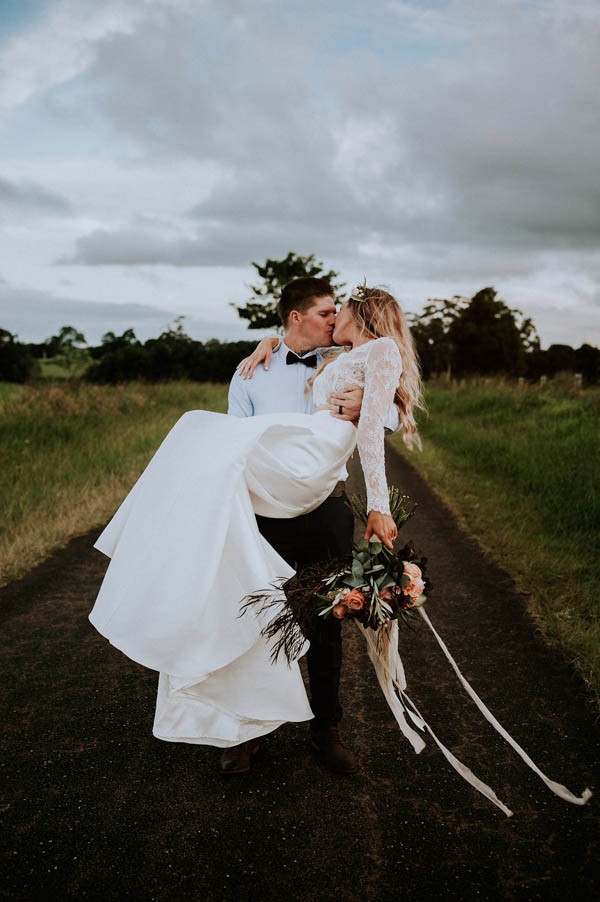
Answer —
280 389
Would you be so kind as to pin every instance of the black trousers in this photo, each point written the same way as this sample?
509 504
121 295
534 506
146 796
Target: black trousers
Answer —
323 533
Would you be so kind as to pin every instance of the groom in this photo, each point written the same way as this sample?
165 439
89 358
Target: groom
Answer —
307 311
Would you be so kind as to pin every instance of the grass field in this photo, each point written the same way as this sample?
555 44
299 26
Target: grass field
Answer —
521 468
70 452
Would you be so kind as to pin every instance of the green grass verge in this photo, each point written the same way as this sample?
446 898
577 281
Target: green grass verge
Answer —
70 452
521 468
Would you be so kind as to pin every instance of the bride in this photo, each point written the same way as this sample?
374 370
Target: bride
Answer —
185 548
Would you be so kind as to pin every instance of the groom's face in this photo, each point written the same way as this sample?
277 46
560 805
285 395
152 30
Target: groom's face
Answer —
315 325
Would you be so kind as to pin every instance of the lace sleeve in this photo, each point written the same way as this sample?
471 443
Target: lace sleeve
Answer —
382 374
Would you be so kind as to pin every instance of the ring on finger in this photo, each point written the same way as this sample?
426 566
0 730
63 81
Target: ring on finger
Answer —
340 409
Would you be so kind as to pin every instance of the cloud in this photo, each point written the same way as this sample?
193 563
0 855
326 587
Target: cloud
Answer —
25 197
495 145
216 243
62 42
35 315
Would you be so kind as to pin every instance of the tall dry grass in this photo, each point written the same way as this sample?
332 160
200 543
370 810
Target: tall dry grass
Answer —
69 453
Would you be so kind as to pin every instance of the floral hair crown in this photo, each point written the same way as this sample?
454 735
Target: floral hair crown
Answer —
359 293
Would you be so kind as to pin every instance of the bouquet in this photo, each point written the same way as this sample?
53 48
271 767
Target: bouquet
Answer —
373 585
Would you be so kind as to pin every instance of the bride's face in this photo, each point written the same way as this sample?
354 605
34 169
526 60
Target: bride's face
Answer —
345 329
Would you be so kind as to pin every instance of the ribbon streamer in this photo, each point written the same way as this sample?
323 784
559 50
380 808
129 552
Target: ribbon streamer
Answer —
384 654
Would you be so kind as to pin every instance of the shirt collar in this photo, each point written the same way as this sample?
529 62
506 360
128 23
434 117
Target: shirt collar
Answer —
285 348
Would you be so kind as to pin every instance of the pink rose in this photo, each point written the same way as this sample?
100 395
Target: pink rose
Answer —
340 611
415 588
355 600
386 595
413 571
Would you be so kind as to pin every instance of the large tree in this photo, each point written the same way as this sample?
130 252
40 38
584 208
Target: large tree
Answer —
261 309
480 335
489 337
68 339
431 331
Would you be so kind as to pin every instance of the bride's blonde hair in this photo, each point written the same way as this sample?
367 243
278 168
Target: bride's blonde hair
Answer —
379 314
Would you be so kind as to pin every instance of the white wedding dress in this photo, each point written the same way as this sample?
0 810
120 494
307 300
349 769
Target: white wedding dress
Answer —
185 550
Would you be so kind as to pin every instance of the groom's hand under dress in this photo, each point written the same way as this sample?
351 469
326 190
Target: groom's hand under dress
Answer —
346 404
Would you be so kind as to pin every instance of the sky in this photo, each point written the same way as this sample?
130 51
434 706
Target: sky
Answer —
151 150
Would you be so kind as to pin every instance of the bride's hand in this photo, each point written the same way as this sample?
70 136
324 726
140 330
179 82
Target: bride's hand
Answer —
262 352
382 526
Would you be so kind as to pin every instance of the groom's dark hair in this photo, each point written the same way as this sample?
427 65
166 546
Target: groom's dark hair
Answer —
301 294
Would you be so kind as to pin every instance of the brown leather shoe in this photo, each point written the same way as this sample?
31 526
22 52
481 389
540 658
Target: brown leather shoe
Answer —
334 753
238 758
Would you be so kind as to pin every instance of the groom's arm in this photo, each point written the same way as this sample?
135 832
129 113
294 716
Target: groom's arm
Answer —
240 403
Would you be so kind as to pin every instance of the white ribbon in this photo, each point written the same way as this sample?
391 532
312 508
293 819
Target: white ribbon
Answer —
382 647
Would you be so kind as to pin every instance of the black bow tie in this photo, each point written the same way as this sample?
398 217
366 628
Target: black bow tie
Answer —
311 360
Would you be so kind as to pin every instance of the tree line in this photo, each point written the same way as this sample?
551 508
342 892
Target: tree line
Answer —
121 358
457 337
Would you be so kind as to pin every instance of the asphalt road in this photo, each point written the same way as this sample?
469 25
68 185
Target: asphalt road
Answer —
95 808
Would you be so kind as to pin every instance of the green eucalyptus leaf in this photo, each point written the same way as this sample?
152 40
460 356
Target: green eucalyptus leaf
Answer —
325 598
375 568
355 582
357 568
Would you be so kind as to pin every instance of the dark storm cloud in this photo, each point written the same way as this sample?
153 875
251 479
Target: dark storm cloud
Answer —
218 243
493 148
30 198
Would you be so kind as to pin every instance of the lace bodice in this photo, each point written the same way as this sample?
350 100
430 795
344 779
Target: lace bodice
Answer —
376 367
